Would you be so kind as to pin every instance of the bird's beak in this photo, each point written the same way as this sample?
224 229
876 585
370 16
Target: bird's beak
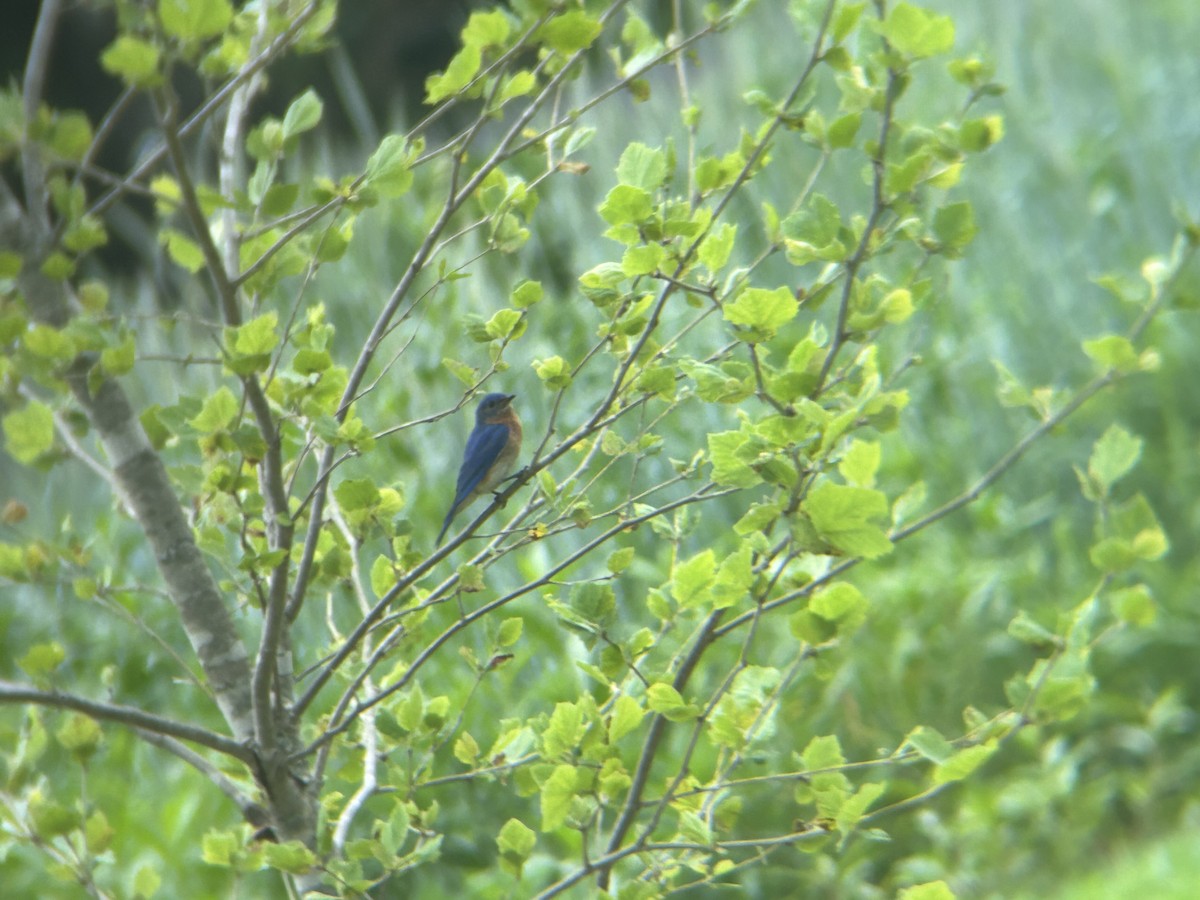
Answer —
509 398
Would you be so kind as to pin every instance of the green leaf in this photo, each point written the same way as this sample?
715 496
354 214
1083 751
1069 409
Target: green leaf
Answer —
1112 555
691 580
665 700
58 266
931 890
569 32
626 205
844 21
841 603
930 743
518 84
917 32
99 835
627 715
510 631
842 130
823 752
184 252
564 730
119 358
486 29
1112 352
642 260
146 880
460 370
1113 455
527 293
557 793
954 225
903 176
70 135
504 324
734 578
79 735
461 71
49 343
554 372
843 516
717 246
817 224
962 763
41 660
466 749
977 135
1134 522
1026 630
258 336
383 575
356 494
133 60
10 266
291 856
303 114
694 829
643 167
50 818
856 805
595 603
1150 544
388 171
757 517
728 467
218 848
191 20
897 306
218 411
620 560
657 379
516 842
1134 605
310 362
762 311
860 463
29 431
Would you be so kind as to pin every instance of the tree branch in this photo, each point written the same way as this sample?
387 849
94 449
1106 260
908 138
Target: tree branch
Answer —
129 716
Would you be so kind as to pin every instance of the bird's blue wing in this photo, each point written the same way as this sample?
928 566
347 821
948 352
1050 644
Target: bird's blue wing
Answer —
483 449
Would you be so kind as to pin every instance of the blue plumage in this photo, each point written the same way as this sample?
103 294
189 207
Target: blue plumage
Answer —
490 454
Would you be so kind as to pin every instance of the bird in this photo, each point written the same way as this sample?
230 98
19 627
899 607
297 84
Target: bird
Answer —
490 455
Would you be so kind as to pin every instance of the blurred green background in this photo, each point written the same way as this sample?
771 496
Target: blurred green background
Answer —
1102 144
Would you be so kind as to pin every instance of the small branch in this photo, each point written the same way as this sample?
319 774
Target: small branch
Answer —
251 811
36 66
608 860
129 716
878 205
286 238
1009 459
365 790
211 105
281 531
67 435
455 199
339 725
231 161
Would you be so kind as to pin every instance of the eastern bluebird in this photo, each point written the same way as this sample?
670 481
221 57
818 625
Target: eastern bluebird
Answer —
491 452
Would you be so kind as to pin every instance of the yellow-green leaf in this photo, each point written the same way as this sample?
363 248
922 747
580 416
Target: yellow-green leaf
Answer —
29 432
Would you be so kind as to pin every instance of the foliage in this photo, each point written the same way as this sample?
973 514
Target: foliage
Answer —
627 682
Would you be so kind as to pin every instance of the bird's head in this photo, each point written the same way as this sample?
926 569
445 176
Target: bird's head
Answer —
492 406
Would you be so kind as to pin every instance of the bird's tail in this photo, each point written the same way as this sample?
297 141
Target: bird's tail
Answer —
445 528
